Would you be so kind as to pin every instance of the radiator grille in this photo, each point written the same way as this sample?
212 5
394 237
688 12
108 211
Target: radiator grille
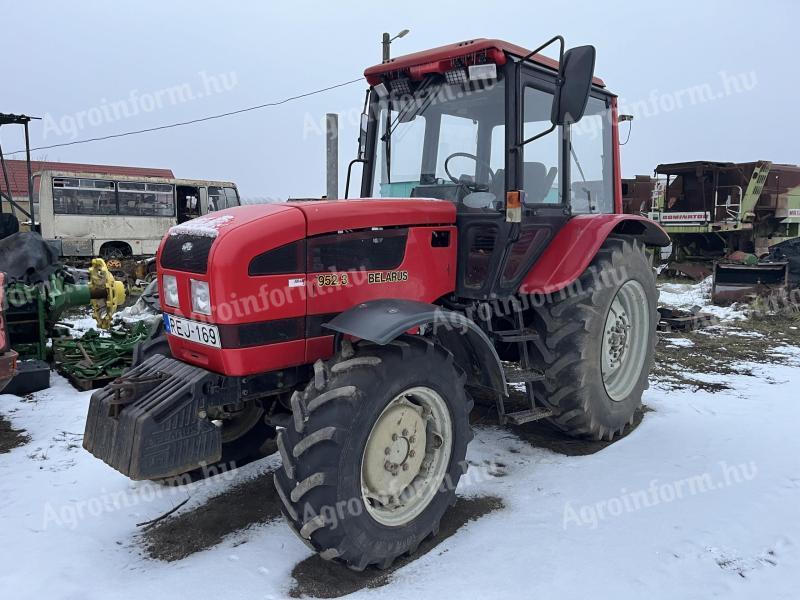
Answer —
185 252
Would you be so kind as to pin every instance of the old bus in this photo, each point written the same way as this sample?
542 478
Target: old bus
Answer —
86 214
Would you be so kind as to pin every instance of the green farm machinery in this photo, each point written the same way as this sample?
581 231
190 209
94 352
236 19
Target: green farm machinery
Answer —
38 290
735 221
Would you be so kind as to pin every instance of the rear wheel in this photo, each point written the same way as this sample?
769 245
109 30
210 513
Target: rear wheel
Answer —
597 343
375 451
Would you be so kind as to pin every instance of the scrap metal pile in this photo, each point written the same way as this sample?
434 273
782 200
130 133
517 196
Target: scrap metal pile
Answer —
93 360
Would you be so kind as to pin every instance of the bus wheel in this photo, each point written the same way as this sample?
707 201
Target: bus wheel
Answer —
115 251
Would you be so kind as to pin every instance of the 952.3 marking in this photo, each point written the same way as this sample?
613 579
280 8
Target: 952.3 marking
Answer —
333 279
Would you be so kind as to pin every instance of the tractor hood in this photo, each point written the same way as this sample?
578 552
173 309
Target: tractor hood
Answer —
335 215
229 239
253 262
318 216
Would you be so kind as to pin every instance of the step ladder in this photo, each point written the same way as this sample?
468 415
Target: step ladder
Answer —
527 374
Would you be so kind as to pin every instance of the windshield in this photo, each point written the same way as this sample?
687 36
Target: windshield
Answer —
438 142
449 141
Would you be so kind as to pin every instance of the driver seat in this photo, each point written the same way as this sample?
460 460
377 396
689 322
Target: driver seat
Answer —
537 181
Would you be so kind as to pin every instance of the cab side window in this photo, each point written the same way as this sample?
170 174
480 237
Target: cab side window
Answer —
541 164
591 161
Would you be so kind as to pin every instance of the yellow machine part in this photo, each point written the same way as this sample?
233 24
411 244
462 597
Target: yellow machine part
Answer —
101 279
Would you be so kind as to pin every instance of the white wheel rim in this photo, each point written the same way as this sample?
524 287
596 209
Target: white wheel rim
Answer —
406 456
625 337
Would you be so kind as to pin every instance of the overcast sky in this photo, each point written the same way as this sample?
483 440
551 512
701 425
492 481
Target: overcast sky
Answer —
706 80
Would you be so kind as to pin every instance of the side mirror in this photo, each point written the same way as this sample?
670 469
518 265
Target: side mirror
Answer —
576 72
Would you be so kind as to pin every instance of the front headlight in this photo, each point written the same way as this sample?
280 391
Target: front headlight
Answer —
170 285
201 298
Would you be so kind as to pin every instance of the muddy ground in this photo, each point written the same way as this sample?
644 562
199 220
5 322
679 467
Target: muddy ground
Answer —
325 579
10 438
723 350
255 502
245 505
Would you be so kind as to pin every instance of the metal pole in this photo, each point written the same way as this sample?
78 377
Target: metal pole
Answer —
6 119
30 175
332 155
8 185
387 40
8 196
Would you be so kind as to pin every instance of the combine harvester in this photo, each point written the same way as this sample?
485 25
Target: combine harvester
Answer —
354 334
737 221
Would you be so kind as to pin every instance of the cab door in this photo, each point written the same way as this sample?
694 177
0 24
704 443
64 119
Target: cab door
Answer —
536 167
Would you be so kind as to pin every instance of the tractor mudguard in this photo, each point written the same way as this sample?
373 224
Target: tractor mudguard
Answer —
381 321
574 247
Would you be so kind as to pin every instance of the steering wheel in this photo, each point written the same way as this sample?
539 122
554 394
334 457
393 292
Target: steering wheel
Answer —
474 186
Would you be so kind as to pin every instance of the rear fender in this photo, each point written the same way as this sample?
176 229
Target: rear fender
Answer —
577 243
381 321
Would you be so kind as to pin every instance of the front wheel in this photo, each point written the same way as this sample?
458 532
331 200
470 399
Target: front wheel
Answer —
375 451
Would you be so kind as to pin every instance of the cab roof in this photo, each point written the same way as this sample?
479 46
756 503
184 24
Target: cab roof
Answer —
496 50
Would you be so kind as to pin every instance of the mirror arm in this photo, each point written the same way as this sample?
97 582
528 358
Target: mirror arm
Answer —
349 170
559 79
557 38
535 137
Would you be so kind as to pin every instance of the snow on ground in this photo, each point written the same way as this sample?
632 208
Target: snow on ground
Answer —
78 325
700 501
687 296
680 343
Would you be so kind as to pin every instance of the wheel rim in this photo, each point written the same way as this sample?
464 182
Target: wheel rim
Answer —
625 336
406 456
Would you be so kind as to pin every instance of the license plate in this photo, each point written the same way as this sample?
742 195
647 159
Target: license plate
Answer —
202 333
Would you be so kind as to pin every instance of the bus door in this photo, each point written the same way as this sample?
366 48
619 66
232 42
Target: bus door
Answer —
188 200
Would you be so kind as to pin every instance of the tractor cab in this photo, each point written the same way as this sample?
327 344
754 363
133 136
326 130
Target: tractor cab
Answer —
478 124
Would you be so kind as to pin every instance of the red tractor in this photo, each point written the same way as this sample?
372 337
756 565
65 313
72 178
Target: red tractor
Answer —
488 250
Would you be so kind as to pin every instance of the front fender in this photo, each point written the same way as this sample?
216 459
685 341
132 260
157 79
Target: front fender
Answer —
574 247
382 321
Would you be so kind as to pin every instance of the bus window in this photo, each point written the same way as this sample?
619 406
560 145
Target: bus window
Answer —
220 198
146 199
216 198
231 197
83 197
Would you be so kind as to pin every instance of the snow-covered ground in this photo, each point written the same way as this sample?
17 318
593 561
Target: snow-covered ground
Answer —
688 296
700 501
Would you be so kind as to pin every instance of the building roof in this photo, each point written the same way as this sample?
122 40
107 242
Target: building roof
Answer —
18 173
451 51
